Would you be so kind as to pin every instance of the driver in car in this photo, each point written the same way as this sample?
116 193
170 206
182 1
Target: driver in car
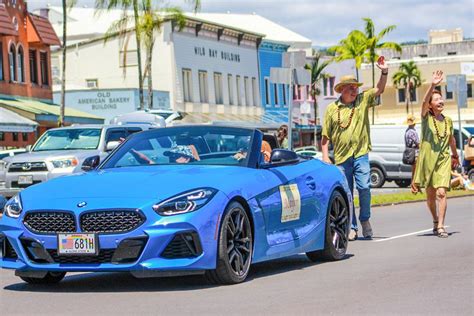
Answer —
180 154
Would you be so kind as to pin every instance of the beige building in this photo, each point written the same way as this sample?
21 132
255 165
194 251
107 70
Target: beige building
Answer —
444 52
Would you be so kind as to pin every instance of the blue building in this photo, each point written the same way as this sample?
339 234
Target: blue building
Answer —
274 96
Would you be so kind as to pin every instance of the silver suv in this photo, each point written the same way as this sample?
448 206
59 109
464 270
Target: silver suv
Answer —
63 151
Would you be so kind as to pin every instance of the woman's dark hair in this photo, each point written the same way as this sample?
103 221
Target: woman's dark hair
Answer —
435 91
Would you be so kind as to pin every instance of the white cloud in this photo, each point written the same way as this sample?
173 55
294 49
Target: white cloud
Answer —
327 22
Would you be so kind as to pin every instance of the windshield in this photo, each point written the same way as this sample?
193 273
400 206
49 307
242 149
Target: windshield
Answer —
202 145
68 139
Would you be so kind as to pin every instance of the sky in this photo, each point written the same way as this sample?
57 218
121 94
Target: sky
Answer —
327 22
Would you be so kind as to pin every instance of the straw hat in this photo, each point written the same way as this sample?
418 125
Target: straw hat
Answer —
345 80
411 120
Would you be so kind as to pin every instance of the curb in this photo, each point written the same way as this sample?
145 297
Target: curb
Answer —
416 201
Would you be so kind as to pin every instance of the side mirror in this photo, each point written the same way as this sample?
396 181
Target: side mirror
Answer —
112 145
90 163
28 148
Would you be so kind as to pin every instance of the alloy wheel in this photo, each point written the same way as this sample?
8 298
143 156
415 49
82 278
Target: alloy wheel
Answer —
339 224
238 241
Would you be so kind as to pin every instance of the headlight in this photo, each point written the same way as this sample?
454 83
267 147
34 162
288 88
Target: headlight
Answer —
64 162
13 207
185 203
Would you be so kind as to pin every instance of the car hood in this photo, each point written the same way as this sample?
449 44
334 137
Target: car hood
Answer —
159 182
43 155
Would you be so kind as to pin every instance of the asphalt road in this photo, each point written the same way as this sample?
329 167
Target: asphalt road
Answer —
403 270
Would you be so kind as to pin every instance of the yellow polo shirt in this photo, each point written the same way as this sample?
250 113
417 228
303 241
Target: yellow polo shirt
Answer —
353 140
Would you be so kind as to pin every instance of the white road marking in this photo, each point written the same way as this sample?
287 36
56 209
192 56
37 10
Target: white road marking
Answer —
406 235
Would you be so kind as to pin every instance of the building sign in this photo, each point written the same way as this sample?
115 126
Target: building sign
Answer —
214 53
110 103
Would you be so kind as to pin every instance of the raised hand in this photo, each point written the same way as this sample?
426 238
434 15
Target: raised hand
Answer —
381 64
437 77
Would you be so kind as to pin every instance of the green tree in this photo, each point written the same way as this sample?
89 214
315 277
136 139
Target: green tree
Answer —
66 4
409 77
122 27
351 47
373 42
316 69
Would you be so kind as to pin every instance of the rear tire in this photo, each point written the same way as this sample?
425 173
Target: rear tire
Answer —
49 278
470 175
403 183
336 236
377 178
234 249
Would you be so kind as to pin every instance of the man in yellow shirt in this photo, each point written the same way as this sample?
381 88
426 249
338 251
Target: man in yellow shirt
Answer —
347 127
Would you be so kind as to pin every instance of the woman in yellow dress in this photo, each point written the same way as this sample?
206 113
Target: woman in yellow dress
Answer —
434 165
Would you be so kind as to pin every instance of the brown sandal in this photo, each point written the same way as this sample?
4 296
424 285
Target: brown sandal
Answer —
442 233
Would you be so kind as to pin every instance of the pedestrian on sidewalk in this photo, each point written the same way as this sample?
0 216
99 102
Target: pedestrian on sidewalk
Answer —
347 127
434 165
412 144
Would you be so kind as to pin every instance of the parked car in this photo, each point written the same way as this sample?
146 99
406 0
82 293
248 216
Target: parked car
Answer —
388 144
310 152
168 202
5 154
62 151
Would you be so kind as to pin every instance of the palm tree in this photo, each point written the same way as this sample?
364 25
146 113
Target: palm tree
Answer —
408 76
351 47
317 74
373 43
121 27
151 21
67 4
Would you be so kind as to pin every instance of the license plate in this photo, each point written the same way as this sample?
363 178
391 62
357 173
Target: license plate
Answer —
25 179
77 244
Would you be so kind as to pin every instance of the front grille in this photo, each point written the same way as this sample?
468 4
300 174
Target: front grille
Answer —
28 167
111 221
183 245
50 222
22 186
105 256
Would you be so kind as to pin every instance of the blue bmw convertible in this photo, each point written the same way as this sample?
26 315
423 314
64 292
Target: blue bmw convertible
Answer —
179 200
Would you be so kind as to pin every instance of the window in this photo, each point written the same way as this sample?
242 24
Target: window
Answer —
275 94
218 88
128 58
469 90
267 91
328 86
231 92
239 94
20 64
203 88
402 98
1 63
33 66
12 61
255 92
449 94
187 85
248 99
44 68
331 85
452 53
92 83
24 136
283 86
2 136
15 136
423 55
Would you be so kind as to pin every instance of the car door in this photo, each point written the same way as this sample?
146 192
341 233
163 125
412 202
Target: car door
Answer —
290 207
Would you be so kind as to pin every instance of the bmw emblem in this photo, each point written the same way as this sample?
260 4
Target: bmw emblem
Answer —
81 204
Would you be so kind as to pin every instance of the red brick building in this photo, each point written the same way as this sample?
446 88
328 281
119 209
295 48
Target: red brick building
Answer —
25 57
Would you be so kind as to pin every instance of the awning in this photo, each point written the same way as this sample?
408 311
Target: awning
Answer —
41 111
44 31
12 122
212 118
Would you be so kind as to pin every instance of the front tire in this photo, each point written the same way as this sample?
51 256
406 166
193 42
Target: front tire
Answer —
234 250
377 178
403 183
336 237
49 278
